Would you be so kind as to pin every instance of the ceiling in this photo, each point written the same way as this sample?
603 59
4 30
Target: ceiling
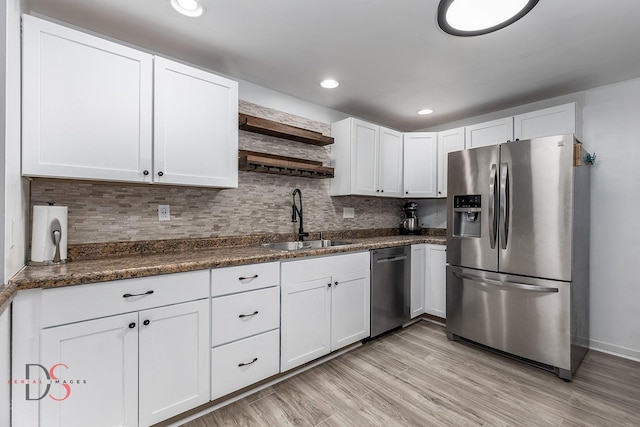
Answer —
389 55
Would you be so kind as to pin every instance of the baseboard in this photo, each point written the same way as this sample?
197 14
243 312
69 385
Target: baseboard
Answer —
615 350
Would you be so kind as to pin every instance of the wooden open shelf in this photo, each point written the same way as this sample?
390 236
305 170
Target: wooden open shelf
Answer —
281 165
269 127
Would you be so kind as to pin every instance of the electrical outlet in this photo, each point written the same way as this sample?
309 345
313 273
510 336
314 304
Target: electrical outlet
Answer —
348 213
164 213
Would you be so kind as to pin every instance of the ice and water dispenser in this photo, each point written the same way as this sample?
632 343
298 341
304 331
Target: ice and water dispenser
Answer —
467 213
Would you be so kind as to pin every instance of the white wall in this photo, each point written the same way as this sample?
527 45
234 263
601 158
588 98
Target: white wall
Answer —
15 187
611 129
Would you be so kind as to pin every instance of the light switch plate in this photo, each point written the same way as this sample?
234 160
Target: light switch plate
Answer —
348 213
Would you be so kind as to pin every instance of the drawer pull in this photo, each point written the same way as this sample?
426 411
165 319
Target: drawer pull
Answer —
255 276
255 359
248 315
137 295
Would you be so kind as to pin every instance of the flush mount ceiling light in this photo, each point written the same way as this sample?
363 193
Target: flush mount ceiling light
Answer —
329 84
189 8
476 17
425 111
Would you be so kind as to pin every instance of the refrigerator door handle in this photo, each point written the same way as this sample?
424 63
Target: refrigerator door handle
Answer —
504 204
490 282
493 225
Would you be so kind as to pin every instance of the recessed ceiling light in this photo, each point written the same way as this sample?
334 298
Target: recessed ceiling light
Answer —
329 84
189 8
476 17
425 111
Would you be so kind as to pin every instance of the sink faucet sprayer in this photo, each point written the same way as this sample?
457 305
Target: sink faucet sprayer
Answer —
298 212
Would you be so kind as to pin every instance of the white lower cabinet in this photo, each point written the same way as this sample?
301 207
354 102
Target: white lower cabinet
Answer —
418 277
131 369
435 302
325 306
245 362
132 352
245 326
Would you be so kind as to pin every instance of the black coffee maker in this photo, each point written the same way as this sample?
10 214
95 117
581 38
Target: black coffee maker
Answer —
410 224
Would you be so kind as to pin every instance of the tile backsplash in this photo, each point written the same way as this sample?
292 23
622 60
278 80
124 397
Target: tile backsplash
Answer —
112 212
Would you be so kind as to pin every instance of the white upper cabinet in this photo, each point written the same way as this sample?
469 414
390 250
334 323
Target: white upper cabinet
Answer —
420 164
367 159
390 163
87 105
448 142
552 121
489 133
195 126
97 110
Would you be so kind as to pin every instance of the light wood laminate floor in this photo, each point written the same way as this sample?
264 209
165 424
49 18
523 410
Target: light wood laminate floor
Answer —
416 377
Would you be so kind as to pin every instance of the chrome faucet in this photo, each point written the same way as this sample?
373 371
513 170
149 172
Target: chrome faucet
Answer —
297 212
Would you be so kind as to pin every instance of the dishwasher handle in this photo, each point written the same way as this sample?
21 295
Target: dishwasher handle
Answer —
391 259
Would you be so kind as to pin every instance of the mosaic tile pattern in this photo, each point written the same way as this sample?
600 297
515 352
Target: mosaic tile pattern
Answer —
116 212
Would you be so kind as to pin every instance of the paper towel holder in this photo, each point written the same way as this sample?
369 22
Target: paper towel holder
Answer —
51 233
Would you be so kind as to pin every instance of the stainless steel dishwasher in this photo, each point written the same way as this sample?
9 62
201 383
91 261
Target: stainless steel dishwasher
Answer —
390 288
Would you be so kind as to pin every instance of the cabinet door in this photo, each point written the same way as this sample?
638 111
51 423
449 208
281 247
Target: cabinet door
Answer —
174 360
436 283
420 163
305 327
350 308
418 278
552 121
195 127
86 106
489 133
448 142
390 163
364 158
101 357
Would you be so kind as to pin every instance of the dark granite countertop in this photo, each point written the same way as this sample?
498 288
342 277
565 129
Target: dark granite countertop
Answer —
125 267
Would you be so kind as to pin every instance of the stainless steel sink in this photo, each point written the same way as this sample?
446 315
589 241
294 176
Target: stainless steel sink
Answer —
308 244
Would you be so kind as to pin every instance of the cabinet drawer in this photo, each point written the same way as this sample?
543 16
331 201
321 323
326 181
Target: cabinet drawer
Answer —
242 363
242 278
75 303
241 315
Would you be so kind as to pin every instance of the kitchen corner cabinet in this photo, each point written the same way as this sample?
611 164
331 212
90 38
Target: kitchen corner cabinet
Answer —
144 355
552 121
367 159
489 133
325 305
418 278
435 293
448 142
97 110
420 164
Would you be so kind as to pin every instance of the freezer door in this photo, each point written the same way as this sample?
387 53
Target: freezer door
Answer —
472 231
536 209
523 316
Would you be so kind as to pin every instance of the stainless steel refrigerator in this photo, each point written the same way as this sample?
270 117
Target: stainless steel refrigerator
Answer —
518 250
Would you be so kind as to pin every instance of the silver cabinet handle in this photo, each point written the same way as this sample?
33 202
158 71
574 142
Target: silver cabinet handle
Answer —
255 359
492 206
137 295
393 258
241 316
504 204
516 285
255 276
